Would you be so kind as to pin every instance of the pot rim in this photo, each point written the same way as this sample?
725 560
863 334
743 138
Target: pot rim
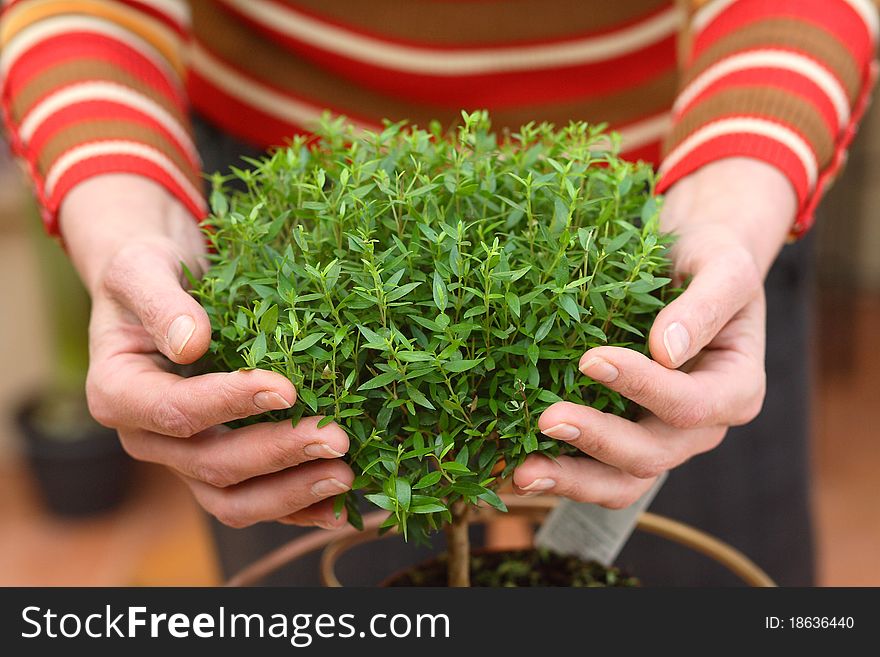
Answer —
337 542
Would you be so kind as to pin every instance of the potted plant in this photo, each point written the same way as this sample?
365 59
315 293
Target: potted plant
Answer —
79 466
432 293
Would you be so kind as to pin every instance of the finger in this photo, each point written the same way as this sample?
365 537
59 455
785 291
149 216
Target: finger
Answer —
714 392
718 290
148 282
642 449
580 479
132 391
274 496
318 515
222 458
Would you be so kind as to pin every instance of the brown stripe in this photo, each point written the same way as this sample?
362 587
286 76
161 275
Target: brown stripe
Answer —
774 104
478 23
85 70
785 33
90 131
264 60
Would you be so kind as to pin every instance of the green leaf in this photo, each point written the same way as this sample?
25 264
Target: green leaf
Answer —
382 501
491 498
544 328
310 398
439 288
428 480
258 349
402 291
533 351
512 302
269 320
306 342
404 492
378 381
461 365
454 466
530 443
569 305
427 508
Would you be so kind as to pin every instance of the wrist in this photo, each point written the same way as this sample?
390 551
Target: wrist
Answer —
102 215
745 200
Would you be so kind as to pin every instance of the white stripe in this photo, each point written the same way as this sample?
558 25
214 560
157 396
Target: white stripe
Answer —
644 132
176 10
60 25
752 126
460 61
119 147
781 59
868 12
708 13
106 91
250 92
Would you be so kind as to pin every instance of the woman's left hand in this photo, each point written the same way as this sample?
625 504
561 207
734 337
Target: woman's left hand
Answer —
707 373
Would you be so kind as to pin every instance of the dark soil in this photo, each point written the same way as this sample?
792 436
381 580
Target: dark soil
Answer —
518 568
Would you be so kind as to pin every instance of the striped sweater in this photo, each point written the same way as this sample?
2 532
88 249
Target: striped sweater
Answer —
99 86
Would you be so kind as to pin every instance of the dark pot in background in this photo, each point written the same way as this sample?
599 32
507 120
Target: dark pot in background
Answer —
79 466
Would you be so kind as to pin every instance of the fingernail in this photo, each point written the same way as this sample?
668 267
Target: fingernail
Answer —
327 487
677 342
600 370
270 401
562 432
179 332
540 484
321 451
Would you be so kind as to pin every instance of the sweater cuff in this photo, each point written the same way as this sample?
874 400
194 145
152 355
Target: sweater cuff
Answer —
785 83
96 92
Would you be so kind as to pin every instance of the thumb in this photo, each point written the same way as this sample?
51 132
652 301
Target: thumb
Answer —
146 280
720 287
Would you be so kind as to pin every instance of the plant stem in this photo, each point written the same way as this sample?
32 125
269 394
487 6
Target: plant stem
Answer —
458 546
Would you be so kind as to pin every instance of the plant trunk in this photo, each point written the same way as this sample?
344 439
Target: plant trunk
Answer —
458 546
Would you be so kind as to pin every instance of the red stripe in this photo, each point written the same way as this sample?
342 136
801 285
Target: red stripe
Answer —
771 78
95 166
649 153
236 118
70 116
834 16
487 43
741 145
493 90
88 45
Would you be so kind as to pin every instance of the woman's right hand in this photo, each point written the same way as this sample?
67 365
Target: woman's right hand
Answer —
127 237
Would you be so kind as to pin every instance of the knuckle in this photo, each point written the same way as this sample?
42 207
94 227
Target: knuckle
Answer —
277 455
98 399
639 388
210 473
621 500
648 469
132 447
687 415
229 512
173 420
751 407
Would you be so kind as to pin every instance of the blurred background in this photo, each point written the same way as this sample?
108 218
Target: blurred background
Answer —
135 524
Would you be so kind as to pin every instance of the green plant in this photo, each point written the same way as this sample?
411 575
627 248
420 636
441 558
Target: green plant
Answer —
433 293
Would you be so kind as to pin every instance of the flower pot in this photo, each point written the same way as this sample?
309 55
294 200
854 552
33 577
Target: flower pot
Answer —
336 543
79 466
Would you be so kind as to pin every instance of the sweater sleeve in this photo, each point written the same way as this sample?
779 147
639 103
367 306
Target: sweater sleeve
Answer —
785 82
96 86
